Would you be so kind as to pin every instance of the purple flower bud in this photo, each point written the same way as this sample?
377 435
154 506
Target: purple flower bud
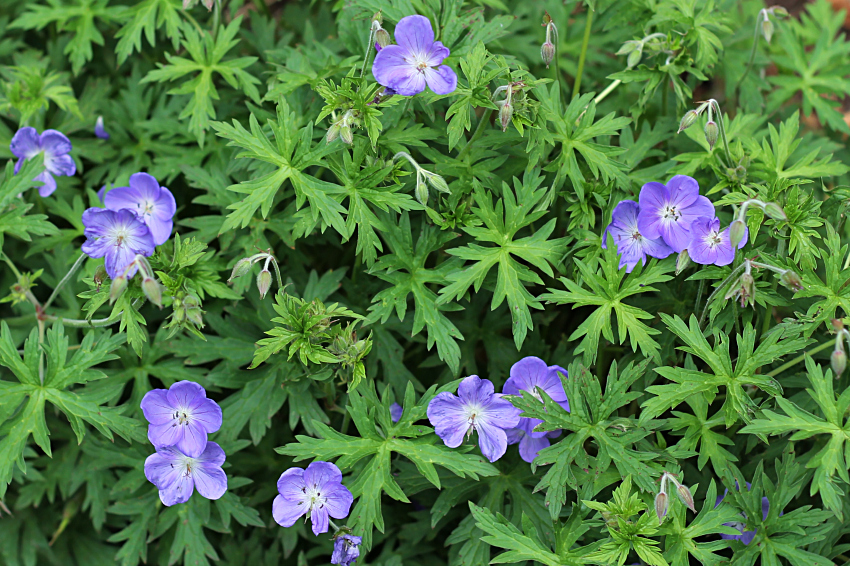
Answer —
774 211
790 280
687 120
116 288
152 291
743 290
242 267
382 39
838 360
99 130
346 549
661 505
547 53
712 132
264 282
737 232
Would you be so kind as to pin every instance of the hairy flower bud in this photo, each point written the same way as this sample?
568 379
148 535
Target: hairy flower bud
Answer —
767 29
712 132
242 267
779 11
382 38
661 504
152 291
737 230
438 183
687 120
682 261
635 57
264 282
346 134
421 191
790 280
505 113
748 290
333 133
685 495
547 53
774 211
116 288
838 360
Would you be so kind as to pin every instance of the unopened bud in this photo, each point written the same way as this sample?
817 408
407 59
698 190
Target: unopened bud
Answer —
346 134
685 495
774 211
116 288
209 4
740 173
439 183
661 504
100 276
767 29
421 192
242 267
382 38
687 120
838 360
152 291
635 57
505 113
378 17
837 324
748 289
333 133
264 282
547 19
779 11
683 261
628 47
737 231
790 280
712 132
547 53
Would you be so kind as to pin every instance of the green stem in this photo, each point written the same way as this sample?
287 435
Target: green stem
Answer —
96 323
11 265
721 122
216 19
584 43
608 90
780 252
479 130
699 294
752 57
800 358
65 279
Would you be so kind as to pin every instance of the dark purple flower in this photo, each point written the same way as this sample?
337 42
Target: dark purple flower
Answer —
415 61
667 211
632 245
710 245
346 549
526 376
395 412
177 475
117 236
318 490
99 130
153 204
55 146
181 416
475 407
746 536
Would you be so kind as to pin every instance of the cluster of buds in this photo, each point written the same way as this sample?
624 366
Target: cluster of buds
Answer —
20 291
839 356
508 106
634 48
712 130
188 307
739 226
547 50
150 286
423 179
264 278
744 289
341 128
378 34
763 20
662 500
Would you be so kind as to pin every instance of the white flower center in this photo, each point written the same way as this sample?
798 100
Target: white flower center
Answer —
636 236
713 239
182 416
184 465
670 212
146 207
313 497
119 235
473 417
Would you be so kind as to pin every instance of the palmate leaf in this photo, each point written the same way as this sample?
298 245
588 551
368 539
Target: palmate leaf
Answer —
833 287
513 212
608 286
474 94
146 17
22 405
289 153
379 438
502 533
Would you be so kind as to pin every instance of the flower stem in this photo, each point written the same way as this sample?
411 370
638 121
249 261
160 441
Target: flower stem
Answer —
800 358
584 42
96 323
608 90
479 130
331 523
752 56
65 279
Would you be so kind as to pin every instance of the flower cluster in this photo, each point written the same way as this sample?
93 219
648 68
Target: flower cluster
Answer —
180 419
53 146
670 218
136 220
477 407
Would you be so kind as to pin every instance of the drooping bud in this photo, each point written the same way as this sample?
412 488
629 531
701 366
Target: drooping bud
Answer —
661 504
152 291
209 4
712 132
748 290
382 38
687 120
837 324
547 52
100 276
421 191
333 133
779 11
242 267
767 28
774 211
193 310
346 135
438 183
635 56
116 288
505 113
685 495
264 282
838 360
790 280
682 261
737 230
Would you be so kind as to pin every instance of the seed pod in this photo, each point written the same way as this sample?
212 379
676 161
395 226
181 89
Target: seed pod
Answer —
505 113
687 120
242 267
152 291
774 211
712 132
790 280
264 282
685 495
838 360
661 504
682 261
547 53
628 47
116 288
737 230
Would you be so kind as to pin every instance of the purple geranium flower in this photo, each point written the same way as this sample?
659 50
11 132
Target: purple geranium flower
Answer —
396 411
153 204
415 61
667 212
181 416
177 475
346 549
476 407
632 245
710 245
27 144
99 130
117 236
318 490
745 537
526 376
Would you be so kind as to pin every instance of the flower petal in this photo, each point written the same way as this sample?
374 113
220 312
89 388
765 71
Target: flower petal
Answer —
55 143
448 417
653 198
319 518
291 484
49 183
210 481
492 440
179 492
166 206
164 435
320 473
441 80
286 513
436 54
500 412
160 229
339 500
525 375
156 408
475 390
213 455
529 447
206 413
25 144
392 70
124 198
193 440
415 35
61 165
183 393
160 468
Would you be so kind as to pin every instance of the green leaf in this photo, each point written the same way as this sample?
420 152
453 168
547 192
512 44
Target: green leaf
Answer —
503 534
146 17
